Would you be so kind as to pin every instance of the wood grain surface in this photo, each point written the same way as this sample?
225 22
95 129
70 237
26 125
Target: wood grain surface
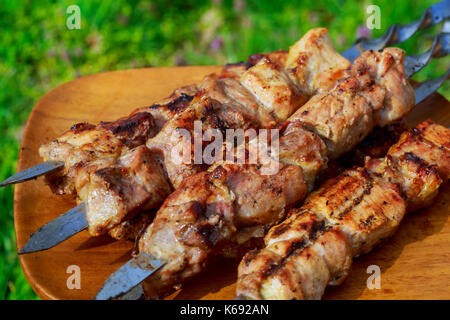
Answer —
415 263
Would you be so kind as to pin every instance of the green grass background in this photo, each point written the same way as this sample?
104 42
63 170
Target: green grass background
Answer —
38 53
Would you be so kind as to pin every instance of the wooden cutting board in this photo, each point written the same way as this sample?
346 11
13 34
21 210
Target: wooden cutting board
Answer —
415 263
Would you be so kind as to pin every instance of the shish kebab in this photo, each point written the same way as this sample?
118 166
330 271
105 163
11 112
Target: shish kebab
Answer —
112 197
375 145
347 217
395 34
398 33
229 201
223 103
65 183
163 111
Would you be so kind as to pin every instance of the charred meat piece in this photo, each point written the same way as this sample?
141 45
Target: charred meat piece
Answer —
169 107
419 162
283 81
274 90
347 216
134 182
85 142
360 101
313 63
302 255
375 145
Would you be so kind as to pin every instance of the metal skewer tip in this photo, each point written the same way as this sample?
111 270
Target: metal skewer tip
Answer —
32 172
57 230
428 87
128 276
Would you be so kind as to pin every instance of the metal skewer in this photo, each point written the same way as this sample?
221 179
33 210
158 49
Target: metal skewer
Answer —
398 33
33 172
128 276
61 228
427 87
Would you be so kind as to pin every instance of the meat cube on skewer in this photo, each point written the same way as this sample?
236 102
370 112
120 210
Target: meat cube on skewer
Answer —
134 182
358 210
84 142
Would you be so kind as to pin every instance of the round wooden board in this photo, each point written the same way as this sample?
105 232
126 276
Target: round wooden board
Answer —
414 263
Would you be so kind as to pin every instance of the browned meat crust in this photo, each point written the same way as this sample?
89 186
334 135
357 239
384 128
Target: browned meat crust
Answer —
84 142
348 216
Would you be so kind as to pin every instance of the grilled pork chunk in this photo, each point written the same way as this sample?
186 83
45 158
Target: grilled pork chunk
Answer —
284 81
359 101
84 142
133 182
348 216
169 107
249 200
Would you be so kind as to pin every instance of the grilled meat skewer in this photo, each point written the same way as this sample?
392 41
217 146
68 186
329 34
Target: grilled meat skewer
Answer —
211 208
221 103
348 216
375 145
85 142
112 215
280 89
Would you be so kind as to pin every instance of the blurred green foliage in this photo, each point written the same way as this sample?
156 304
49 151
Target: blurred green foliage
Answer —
38 53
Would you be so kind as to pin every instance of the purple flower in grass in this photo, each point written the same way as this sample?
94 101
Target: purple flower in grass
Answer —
216 44
363 32
238 5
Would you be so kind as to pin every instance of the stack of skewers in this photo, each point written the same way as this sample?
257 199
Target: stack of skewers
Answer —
181 214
